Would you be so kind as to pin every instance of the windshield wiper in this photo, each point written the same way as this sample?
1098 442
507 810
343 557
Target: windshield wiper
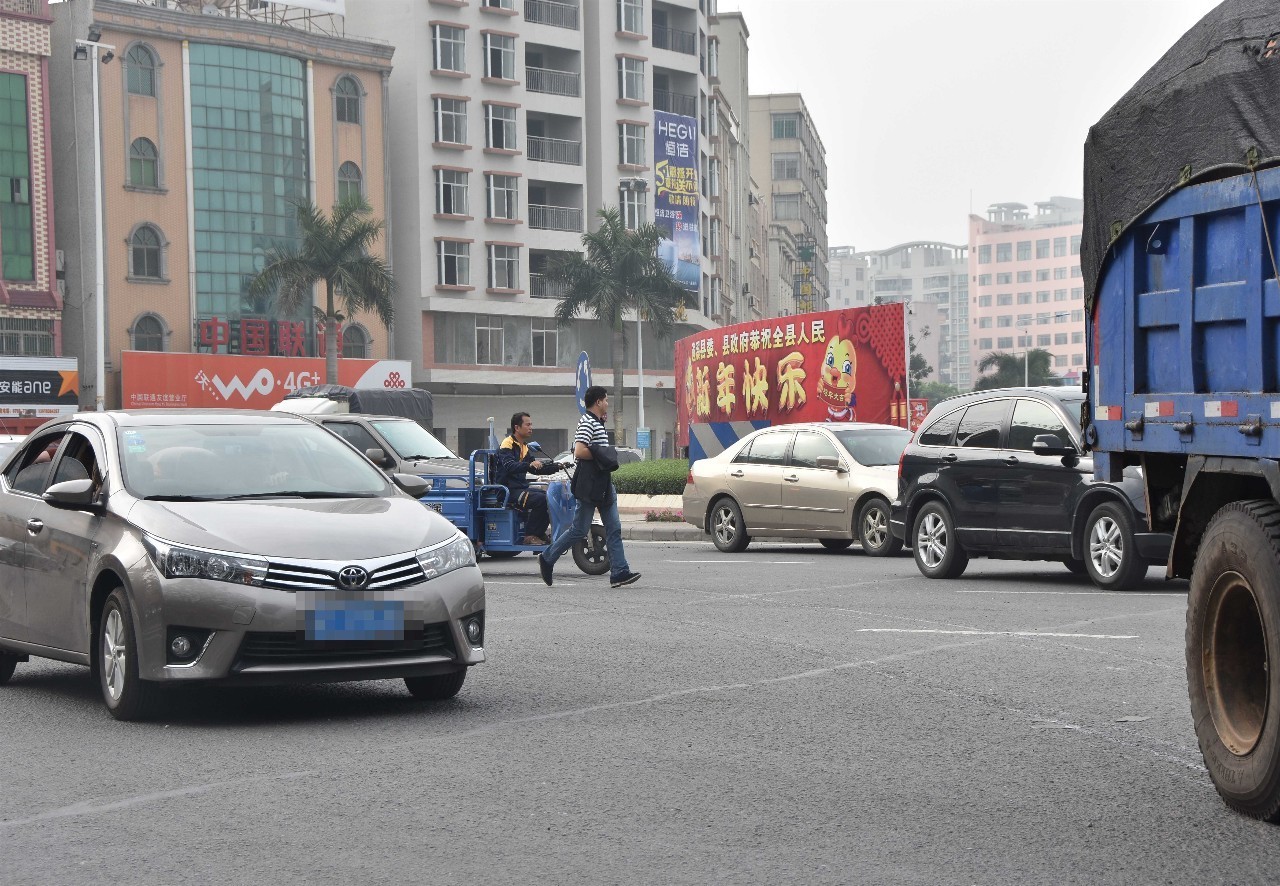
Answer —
428 457
297 493
182 498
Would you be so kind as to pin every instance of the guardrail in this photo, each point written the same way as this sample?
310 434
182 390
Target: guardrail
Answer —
555 218
555 150
549 12
553 82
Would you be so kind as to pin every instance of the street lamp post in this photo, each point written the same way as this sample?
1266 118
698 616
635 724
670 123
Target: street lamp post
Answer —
99 308
1026 357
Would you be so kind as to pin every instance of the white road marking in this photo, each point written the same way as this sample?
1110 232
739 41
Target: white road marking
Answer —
536 582
996 633
746 562
1086 593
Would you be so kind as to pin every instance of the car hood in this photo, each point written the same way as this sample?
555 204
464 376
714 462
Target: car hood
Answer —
314 529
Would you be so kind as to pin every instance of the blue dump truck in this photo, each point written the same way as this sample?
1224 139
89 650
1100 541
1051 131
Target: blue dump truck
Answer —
1180 254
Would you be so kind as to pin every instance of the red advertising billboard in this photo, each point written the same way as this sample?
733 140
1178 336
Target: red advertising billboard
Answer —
845 365
152 380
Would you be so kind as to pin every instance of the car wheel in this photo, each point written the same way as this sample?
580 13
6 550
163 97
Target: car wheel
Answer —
1233 629
1111 558
7 665
937 551
835 544
728 530
501 555
592 553
873 529
437 687
126 695
1074 566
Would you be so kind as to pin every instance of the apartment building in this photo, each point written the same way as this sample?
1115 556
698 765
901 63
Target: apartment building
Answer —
932 278
217 118
1025 288
514 123
790 162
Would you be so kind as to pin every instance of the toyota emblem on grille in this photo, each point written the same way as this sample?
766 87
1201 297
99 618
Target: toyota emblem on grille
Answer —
353 578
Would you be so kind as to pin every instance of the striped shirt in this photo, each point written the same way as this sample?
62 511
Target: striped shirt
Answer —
591 430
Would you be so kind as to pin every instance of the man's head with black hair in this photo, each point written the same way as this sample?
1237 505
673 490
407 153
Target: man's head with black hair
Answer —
596 400
522 427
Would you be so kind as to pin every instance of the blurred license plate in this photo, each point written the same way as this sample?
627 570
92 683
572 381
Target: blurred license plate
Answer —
356 620
435 506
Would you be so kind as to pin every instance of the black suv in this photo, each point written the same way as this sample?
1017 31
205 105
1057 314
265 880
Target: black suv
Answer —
1003 474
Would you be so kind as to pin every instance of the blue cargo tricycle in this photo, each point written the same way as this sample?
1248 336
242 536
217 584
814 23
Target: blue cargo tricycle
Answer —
481 510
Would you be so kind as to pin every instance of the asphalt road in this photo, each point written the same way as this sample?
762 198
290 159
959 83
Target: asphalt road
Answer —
784 715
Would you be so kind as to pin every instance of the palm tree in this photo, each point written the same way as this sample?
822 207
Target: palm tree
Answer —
333 249
1011 370
619 272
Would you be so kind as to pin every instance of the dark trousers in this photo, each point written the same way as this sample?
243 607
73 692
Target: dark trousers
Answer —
533 504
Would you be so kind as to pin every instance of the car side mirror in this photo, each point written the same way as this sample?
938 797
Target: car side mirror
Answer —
76 494
412 484
1051 444
379 457
831 463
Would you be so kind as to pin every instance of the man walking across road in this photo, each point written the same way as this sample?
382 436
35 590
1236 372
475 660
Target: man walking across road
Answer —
594 491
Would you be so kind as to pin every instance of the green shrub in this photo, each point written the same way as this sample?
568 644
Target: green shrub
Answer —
664 476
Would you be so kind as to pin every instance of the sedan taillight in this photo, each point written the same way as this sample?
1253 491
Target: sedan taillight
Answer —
901 459
688 481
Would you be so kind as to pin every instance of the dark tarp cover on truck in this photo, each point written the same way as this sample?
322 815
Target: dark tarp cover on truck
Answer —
413 403
1194 116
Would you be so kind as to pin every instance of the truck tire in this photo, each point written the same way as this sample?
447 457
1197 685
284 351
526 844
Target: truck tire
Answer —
1110 555
1233 635
8 663
937 550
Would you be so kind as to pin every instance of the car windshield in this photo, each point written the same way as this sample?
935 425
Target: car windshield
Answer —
873 447
410 440
217 462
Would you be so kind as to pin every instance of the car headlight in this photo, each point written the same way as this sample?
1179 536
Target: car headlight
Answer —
453 554
180 561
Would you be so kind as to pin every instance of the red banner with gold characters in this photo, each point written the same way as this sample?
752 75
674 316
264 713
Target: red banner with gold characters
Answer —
845 365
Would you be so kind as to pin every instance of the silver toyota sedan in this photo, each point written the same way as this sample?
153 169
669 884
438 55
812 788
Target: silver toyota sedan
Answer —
227 546
832 481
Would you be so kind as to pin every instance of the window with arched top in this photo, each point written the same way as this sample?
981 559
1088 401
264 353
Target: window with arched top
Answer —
355 342
346 96
350 182
144 164
146 248
140 70
148 333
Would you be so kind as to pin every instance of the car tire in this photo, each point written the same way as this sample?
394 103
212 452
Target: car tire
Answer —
872 529
1074 566
728 529
8 663
126 695
1233 626
437 687
835 544
1111 558
937 551
592 553
501 555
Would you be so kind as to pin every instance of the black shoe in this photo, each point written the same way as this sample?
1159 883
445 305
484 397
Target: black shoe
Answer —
629 578
545 569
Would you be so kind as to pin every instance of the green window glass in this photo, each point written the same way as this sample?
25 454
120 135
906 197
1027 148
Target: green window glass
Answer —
249 138
347 97
140 65
348 181
16 226
143 171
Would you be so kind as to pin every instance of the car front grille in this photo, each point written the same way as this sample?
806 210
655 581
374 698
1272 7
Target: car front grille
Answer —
285 647
297 577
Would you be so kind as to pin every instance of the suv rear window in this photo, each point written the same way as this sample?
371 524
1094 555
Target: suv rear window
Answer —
940 432
980 427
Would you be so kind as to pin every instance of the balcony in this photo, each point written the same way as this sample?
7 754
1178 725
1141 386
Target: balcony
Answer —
675 103
675 40
541 286
553 82
555 150
549 12
555 218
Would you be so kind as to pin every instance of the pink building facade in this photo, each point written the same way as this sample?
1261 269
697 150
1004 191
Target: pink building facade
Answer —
1025 287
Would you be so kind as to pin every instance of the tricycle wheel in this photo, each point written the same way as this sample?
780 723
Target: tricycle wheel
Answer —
592 554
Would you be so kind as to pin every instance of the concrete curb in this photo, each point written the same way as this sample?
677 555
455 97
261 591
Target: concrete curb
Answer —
642 531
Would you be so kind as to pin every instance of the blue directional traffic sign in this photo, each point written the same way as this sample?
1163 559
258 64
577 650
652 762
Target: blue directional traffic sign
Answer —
583 381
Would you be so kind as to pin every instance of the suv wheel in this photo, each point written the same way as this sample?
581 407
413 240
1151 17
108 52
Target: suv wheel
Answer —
1111 558
873 529
938 554
728 531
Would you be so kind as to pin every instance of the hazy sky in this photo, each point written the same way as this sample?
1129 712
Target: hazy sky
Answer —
928 108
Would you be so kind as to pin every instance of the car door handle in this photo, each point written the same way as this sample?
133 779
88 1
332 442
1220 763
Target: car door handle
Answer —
950 457
792 479
1011 460
735 473
34 526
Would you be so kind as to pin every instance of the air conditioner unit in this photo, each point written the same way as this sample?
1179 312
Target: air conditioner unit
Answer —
751 302
633 184
60 260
